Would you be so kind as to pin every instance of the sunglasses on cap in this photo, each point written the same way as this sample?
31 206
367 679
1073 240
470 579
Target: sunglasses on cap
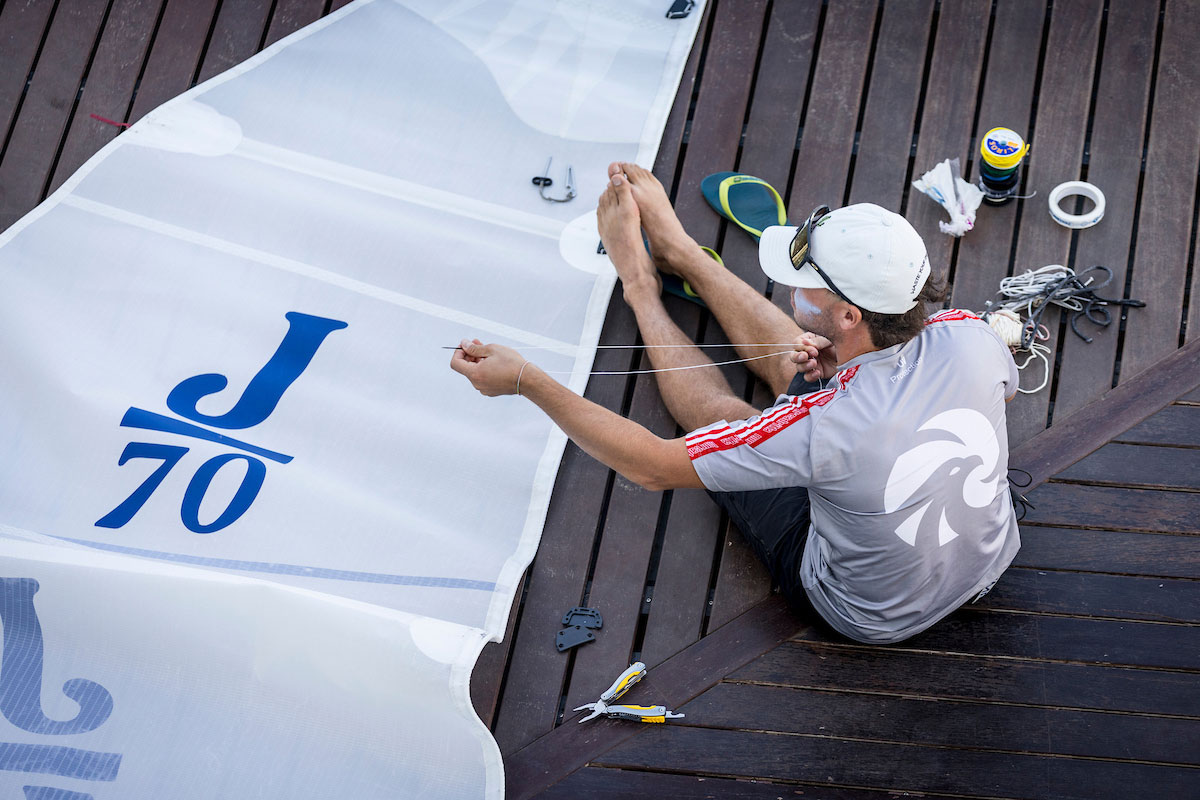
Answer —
801 252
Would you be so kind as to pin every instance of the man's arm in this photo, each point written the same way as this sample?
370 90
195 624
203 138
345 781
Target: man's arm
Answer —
621 444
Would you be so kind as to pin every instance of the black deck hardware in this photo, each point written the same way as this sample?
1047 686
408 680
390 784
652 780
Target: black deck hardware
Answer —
587 617
573 637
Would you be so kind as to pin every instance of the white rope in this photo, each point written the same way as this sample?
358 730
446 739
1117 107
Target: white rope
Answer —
1036 351
1008 326
1028 290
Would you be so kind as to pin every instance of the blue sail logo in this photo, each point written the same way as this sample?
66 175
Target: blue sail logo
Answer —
304 337
21 703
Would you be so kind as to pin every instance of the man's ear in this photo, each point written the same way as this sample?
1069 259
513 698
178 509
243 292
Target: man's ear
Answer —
848 315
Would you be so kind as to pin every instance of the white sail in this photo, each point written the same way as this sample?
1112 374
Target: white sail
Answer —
244 502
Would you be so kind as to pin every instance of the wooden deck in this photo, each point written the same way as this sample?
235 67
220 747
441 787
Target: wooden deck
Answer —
1077 676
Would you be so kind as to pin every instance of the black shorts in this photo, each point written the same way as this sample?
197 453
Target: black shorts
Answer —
775 524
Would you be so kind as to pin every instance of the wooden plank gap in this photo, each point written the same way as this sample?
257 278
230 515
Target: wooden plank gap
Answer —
1141 182
920 112
804 104
1190 317
862 102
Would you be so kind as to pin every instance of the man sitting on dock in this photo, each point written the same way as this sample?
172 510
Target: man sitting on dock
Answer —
875 488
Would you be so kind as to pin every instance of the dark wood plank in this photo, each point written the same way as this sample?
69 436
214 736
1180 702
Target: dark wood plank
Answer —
945 126
236 36
984 253
891 107
601 783
1105 419
558 574
894 767
885 671
1096 641
672 139
1163 555
1115 508
831 118
1177 425
560 752
632 515
488 674
937 721
1138 465
620 573
775 113
742 582
175 54
676 612
290 16
111 81
720 110
1165 220
1091 595
1056 155
46 110
22 25
1118 133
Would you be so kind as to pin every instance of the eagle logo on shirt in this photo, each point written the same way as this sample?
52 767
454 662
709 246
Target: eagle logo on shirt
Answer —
971 440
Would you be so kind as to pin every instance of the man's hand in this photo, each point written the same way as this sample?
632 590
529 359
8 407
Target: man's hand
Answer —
493 369
815 357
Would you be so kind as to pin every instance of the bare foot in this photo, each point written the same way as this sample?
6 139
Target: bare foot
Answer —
663 228
619 220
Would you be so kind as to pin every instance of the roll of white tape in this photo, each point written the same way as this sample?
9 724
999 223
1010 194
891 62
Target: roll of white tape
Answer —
1076 221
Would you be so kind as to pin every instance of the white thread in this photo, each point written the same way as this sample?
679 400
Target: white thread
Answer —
650 346
676 369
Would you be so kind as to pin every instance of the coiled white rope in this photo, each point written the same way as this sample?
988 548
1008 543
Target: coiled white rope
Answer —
1027 291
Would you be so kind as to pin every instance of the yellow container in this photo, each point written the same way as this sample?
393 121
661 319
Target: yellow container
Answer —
1003 148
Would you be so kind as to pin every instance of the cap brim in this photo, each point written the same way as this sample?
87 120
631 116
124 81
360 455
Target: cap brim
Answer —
775 259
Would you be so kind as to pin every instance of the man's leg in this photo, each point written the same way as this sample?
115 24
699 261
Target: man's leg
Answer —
744 314
695 397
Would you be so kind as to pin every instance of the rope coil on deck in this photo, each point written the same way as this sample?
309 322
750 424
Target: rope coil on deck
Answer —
1017 315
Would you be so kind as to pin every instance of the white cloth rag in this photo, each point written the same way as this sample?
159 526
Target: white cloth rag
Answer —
944 184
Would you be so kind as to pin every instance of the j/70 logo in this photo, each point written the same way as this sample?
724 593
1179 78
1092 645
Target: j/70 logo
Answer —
304 336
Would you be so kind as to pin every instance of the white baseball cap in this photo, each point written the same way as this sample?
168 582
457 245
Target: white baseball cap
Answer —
871 255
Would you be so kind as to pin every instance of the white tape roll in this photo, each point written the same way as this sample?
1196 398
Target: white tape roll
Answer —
1076 221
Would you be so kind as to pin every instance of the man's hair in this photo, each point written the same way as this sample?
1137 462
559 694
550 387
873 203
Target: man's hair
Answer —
891 329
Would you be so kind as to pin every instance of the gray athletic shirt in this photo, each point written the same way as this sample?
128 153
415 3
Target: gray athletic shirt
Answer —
905 456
